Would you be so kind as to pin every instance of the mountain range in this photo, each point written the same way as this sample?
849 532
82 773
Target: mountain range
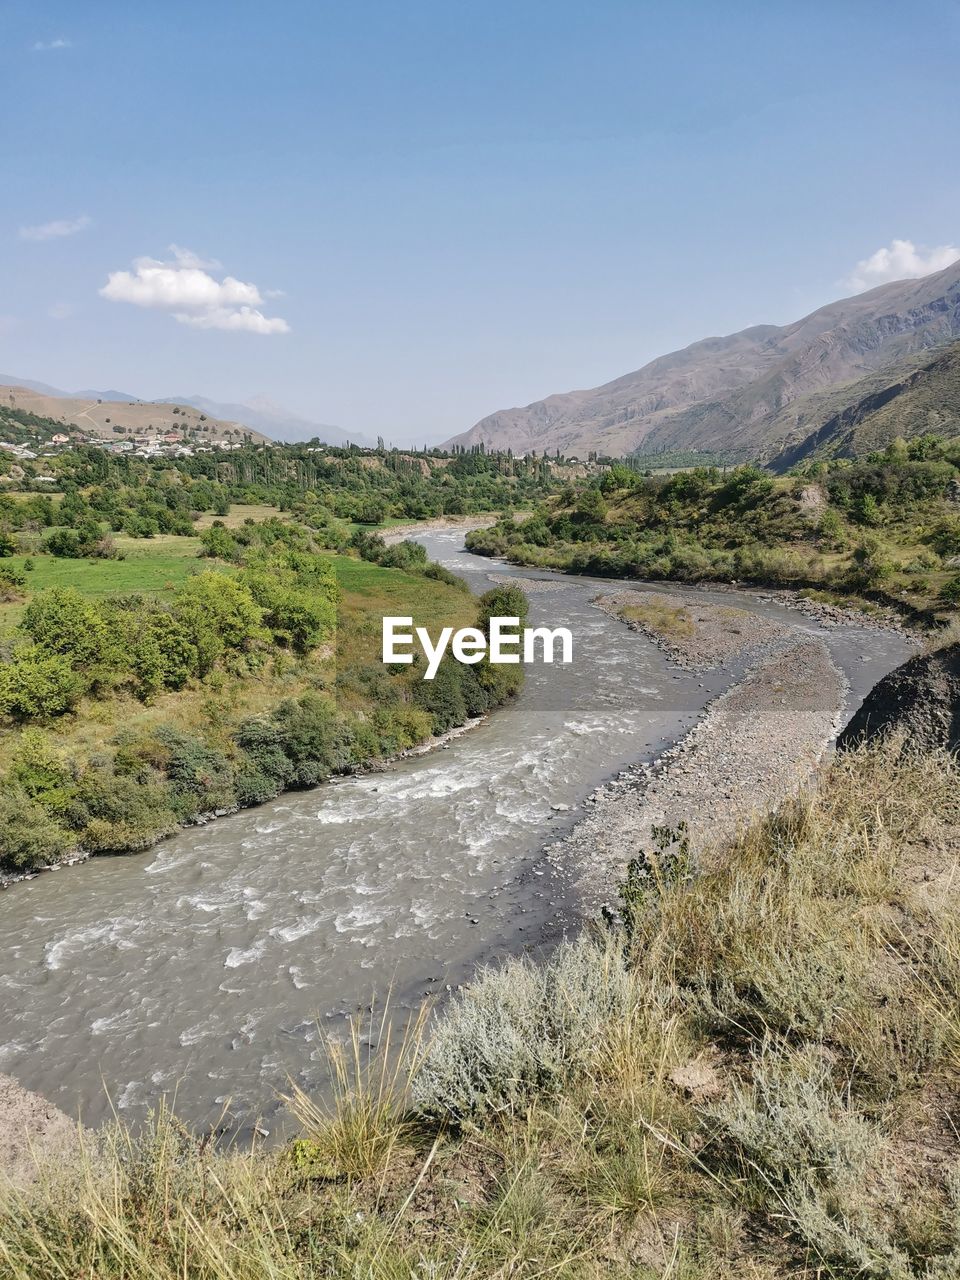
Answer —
762 391
273 420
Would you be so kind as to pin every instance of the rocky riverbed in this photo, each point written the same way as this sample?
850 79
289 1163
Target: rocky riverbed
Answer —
696 636
757 744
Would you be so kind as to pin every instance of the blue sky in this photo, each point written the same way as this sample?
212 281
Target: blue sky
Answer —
434 210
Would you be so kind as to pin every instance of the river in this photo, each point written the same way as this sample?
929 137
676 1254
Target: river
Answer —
214 965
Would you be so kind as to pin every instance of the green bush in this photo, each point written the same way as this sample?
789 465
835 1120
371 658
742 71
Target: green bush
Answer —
39 772
296 618
262 742
115 813
200 777
29 836
216 614
314 740
62 622
218 542
442 697
35 685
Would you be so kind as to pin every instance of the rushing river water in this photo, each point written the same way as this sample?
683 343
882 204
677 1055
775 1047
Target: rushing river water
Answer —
216 963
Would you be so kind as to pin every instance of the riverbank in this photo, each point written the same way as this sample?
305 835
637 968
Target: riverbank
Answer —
756 1077
380 764
33 1133
758 743
442 524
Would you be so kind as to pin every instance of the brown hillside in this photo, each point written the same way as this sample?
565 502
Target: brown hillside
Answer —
99 419
732 392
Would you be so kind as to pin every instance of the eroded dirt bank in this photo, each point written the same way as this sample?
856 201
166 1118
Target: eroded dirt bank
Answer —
32 1130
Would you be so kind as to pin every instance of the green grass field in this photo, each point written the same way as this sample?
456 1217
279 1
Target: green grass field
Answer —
155 565
240 512
371 592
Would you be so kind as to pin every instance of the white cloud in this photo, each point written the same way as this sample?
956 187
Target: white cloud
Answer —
187 258
61 311
57 229
900 260
44 46
243 318
195 298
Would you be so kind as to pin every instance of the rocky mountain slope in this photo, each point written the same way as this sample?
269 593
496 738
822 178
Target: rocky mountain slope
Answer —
735 392
907 399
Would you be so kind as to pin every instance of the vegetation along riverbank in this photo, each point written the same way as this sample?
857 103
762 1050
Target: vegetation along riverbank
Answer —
882 527
181 644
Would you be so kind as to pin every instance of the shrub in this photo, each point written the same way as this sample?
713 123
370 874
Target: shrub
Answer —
200 776
62 622
297 618
63 543
29 836
35 685
12 584
442 697
314 741
524 1031
263 744
114 813
39 772
945 536
218 542
216 613
163 655
799 1137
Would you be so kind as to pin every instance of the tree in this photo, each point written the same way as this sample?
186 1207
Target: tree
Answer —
29 837
37 685
218 542
590 504
218 613
294 617
62 622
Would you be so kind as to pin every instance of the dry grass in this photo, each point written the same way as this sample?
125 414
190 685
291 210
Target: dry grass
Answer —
762 1081
673 622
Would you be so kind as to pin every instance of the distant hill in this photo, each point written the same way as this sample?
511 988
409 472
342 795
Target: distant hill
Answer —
105 419
735 392
262 415
274 420
44 388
